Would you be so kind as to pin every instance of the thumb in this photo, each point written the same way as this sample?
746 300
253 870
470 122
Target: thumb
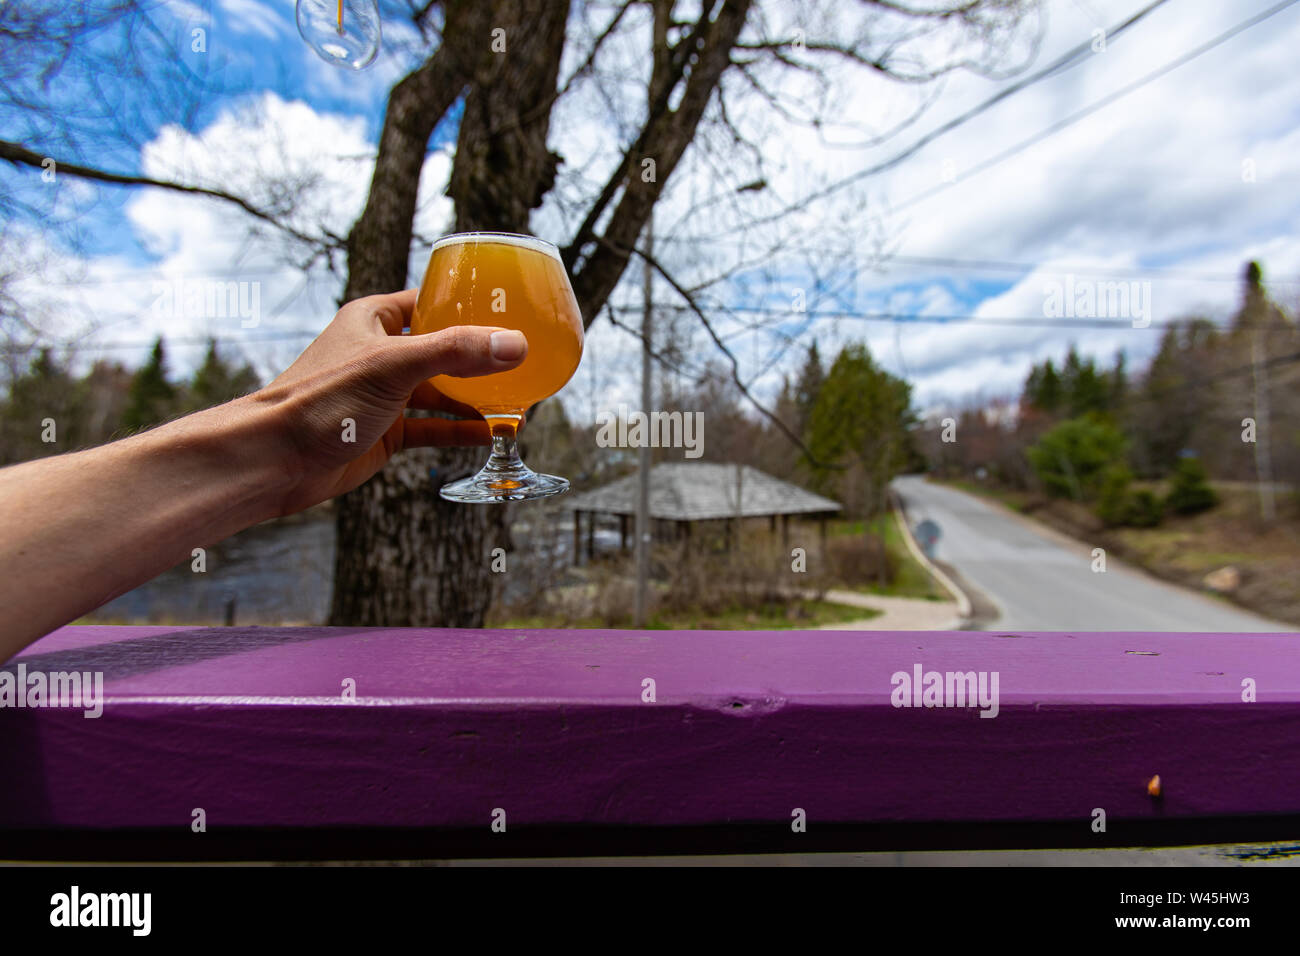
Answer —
462 350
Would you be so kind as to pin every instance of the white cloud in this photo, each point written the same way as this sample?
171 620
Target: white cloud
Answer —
1152 182
259 150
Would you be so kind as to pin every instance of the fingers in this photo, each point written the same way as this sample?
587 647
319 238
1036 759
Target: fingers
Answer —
427 397
462 350
393 310
444 432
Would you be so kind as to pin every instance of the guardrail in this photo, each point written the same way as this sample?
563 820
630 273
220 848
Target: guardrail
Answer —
331 743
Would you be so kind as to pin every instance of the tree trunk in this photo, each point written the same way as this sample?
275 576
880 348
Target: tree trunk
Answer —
404 556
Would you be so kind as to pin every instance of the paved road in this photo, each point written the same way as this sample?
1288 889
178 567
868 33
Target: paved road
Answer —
1041 580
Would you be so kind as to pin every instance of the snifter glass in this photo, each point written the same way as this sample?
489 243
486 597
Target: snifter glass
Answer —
510 281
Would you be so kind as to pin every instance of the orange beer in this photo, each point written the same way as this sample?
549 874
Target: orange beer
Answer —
511 282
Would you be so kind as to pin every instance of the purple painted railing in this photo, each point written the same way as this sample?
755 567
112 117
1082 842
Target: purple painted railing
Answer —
251 726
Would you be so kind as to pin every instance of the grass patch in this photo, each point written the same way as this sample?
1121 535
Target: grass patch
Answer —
910 578
793 614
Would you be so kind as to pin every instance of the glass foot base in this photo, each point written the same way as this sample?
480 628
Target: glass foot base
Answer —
515 484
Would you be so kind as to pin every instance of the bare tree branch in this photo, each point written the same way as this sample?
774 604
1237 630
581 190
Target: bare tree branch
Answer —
735 364
664 140
20 155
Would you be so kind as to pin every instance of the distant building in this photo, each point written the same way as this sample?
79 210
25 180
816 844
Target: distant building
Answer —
683 493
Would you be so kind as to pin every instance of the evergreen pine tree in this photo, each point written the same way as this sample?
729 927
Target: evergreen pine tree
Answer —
1190 491
807 389
216 381
151 399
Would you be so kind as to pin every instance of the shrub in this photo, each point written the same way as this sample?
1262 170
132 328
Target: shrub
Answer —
1145 509
1115 498
1118 504
856 561
1190 492
1071 458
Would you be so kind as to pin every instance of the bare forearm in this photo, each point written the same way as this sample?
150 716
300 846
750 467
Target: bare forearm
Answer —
79 529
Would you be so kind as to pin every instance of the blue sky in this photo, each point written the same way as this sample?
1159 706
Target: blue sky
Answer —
1151 188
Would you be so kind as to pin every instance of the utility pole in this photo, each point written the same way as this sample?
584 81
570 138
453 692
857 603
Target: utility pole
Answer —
643 453
1263 457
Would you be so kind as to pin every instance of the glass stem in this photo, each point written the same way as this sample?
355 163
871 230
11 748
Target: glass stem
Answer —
505 450
504 462
504 477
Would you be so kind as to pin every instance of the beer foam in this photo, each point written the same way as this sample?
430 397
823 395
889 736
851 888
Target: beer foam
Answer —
504 238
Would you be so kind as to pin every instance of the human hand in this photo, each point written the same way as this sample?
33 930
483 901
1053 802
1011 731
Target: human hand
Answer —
363 368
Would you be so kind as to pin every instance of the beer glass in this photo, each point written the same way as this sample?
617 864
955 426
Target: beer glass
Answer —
513 282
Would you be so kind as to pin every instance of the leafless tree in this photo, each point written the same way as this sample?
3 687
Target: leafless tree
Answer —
404 557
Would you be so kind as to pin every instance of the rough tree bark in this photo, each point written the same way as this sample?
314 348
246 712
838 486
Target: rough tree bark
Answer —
405 556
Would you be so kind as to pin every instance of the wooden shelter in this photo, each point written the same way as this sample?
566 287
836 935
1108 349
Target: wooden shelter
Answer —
684 493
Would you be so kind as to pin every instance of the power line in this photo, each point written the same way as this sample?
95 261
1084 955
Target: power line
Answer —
904 318
944 262
899 318
1071 58
158 276
1138 397
1098 105
1158 394
91 346
1004 265
1163 272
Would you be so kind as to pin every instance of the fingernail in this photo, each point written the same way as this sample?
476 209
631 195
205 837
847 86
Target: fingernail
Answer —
507 345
